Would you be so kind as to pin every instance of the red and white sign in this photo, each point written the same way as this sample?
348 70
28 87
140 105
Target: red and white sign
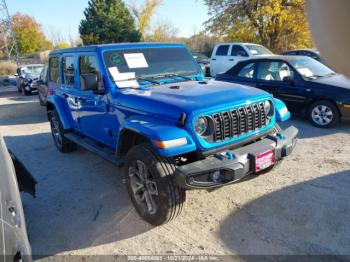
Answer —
264 160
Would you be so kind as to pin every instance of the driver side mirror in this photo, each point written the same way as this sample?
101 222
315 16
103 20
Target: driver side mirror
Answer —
288 80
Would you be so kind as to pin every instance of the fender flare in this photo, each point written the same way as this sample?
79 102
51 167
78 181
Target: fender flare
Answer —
54 101
281 111
159 130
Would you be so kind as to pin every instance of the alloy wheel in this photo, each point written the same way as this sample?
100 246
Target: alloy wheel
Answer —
55 130
322 115
144 186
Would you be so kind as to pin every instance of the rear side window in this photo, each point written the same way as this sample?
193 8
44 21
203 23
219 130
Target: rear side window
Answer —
238 51
222 50
54 71
68 70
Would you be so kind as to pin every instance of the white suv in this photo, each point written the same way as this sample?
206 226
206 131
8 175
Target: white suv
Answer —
226 55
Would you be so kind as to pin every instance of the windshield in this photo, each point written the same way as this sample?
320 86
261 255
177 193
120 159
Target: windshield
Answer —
310 68
32 70
152 62
258 50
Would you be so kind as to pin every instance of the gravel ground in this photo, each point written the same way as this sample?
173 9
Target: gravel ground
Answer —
82 207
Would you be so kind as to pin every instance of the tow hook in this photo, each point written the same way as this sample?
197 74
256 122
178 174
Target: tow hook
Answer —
280 136
230 155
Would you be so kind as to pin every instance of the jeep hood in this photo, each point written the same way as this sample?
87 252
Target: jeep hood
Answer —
170 100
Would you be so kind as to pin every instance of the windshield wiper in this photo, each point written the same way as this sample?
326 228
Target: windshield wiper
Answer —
330 74
186 78
318 76
151 80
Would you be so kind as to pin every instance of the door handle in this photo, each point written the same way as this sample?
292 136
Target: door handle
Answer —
213 59
231 59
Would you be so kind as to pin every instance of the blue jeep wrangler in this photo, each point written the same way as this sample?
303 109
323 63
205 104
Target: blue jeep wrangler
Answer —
149 109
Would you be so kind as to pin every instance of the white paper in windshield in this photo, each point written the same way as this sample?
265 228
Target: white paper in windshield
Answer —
305 72
120 76
123 79
136 60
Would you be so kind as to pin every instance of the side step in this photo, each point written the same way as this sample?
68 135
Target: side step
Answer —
104 152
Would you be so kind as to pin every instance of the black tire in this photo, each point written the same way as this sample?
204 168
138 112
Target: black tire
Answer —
165 198
42 103
323 114
62 143
25 92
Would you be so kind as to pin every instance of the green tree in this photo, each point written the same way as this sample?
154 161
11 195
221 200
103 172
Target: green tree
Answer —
277 24
62 45
29 36
108 21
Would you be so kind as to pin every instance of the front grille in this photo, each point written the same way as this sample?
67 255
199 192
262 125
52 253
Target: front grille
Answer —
236 122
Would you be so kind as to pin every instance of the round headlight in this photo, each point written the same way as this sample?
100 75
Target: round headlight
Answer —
201 125
268 107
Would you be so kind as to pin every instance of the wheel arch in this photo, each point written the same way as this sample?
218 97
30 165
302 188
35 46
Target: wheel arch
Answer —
320 98
127 139
53 103
151 130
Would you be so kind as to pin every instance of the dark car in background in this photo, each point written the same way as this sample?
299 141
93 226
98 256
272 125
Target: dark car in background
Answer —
42 86
203 61
26 75
313 53
307 86
14 244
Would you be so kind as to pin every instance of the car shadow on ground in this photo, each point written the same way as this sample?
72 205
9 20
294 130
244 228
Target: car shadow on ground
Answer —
81 200
286 221
307 130
26 110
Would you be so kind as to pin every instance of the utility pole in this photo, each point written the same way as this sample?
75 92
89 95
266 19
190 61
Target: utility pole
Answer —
9 44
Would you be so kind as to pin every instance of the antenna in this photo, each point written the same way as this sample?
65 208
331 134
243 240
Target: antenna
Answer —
8 41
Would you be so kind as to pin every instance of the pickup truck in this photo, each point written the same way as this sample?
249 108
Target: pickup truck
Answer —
226 55
149 109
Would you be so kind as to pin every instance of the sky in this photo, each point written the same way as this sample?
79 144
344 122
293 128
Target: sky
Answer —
64 16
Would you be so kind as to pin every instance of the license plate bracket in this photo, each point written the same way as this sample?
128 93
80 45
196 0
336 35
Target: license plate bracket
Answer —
264 160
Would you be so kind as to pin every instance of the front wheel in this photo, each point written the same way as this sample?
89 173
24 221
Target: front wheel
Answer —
151 186
62 143
323 114
25 92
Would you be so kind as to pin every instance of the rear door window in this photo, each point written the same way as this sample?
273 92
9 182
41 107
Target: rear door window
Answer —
54 69
222 50
238 51
68 70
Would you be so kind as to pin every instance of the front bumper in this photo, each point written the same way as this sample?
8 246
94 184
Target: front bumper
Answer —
344 111
31 87
236 163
